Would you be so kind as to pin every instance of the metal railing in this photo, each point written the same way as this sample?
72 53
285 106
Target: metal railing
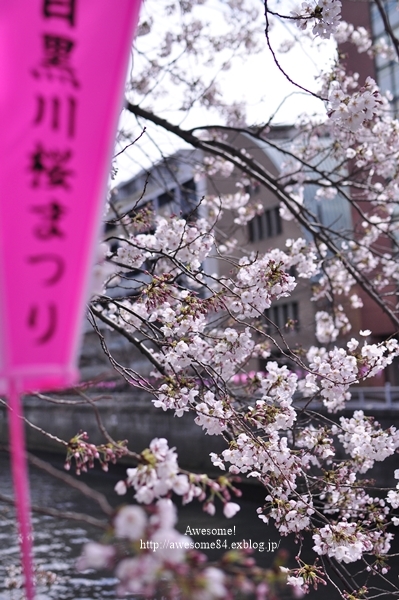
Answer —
369 398
386 397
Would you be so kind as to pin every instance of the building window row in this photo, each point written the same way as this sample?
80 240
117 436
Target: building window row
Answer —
181 201
387 70
281 315
266 225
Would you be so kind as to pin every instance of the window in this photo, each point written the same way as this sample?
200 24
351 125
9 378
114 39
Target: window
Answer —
387 70
253 188
279 315
166 198
266 225
188 199
181 201
110 229
391 11
167 203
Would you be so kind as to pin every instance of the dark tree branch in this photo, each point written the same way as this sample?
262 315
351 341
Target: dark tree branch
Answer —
255 170
60 514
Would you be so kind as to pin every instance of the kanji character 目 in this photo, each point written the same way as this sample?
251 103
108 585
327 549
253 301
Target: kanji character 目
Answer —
60 9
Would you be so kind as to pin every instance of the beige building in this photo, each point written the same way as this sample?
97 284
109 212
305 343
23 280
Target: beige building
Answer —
174 186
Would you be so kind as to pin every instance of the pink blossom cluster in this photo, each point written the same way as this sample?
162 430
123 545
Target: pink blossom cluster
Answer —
175 237
365 441
84 454
166 551
305 577
344 541
351 112
359 36
263 443
150 556
202 331
323 15
156 475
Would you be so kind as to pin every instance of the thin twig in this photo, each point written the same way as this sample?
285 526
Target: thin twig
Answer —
60 514
83 488
131 143
37 428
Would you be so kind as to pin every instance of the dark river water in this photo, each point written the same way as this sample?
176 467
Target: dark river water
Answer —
58 542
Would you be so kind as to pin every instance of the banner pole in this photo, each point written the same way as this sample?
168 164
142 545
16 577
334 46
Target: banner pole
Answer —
21 484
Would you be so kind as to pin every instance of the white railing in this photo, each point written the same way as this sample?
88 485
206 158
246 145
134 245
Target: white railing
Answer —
370 398
375 397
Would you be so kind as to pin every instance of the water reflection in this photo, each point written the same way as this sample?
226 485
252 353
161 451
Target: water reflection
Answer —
58 542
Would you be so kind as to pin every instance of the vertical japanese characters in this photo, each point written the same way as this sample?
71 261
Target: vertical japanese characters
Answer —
51 167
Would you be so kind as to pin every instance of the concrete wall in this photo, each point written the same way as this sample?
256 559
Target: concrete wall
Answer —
125 416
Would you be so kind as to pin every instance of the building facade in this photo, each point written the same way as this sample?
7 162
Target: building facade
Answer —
385 71
174 187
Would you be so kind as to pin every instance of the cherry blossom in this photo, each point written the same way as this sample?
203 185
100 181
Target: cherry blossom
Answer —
344 541
365 441
96 556
157 474
230 509
195 300
324 15
130 522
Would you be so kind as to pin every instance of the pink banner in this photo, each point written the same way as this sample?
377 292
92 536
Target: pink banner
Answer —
62 70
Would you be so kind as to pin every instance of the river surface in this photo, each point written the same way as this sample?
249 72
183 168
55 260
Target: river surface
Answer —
58 542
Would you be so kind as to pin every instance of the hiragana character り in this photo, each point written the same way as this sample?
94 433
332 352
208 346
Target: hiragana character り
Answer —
45 318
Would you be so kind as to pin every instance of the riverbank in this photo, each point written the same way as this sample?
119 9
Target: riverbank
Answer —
58 541
126 416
